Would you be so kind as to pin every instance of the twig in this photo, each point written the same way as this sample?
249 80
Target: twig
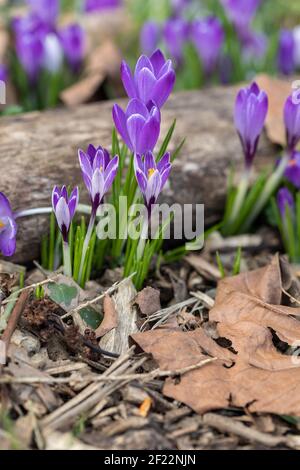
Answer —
14 318
293 299
114 287
157 373
32 286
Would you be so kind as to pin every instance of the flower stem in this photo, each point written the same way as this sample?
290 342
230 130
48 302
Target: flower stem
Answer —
86 245
271 186
143 239
67 259
240 197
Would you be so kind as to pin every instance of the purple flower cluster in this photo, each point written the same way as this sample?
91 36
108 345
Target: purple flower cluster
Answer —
139 126
251 109
206 34
41 45
148 90
99 5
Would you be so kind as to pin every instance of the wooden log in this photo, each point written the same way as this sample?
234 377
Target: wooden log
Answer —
39 150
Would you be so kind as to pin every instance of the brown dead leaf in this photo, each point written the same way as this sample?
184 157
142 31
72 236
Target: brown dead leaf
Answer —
277 91
145 407
110 320
253 373
148 301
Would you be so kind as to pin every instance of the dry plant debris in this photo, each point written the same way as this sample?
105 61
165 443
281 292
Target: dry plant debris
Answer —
253 373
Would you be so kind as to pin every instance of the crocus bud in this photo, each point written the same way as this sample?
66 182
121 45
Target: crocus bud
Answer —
53 53
98 172
149 37
73 43
153 79
251 108
30 52
64 208
292 172
3 73
292 123
151 176
286 52
8 227
241 12
175 34
208 36
46 10
285 200
138 127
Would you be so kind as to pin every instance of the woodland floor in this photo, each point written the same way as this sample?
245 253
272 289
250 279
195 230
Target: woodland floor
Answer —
59 392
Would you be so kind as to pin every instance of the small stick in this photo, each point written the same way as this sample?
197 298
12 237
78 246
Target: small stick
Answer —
14 318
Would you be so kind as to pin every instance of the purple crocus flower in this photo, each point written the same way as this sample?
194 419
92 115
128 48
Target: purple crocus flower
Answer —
46 10
98 172
254 44
285 199
3 73
241 12
64 208
30 52
138 127
208 36
179 6
286 52
292 123
151 176
8 227
149 37
73 43
292 172
175 34
153 79
98 5
251 108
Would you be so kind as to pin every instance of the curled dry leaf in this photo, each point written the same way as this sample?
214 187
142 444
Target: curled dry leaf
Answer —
253 373
110 320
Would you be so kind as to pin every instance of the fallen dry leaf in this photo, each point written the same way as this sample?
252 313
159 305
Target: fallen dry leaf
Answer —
203 267
252 373
110 320
148 301
145 407
277 91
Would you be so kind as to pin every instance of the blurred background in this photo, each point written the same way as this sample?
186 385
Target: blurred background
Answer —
67 52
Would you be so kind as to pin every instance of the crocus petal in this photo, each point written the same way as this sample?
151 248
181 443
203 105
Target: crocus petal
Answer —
7 244
97 185
149 163
141 179
63 214
73 202
153 188
121 124
136 131
5 208
128 81
165 160
149 137
55 196
91 151
157 60
111 174
146 84
138 163
163 88
143 62
136 106
165 175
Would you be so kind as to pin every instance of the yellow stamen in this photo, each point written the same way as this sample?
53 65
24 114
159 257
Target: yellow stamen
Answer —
1 224
150 172
101 169
292 162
